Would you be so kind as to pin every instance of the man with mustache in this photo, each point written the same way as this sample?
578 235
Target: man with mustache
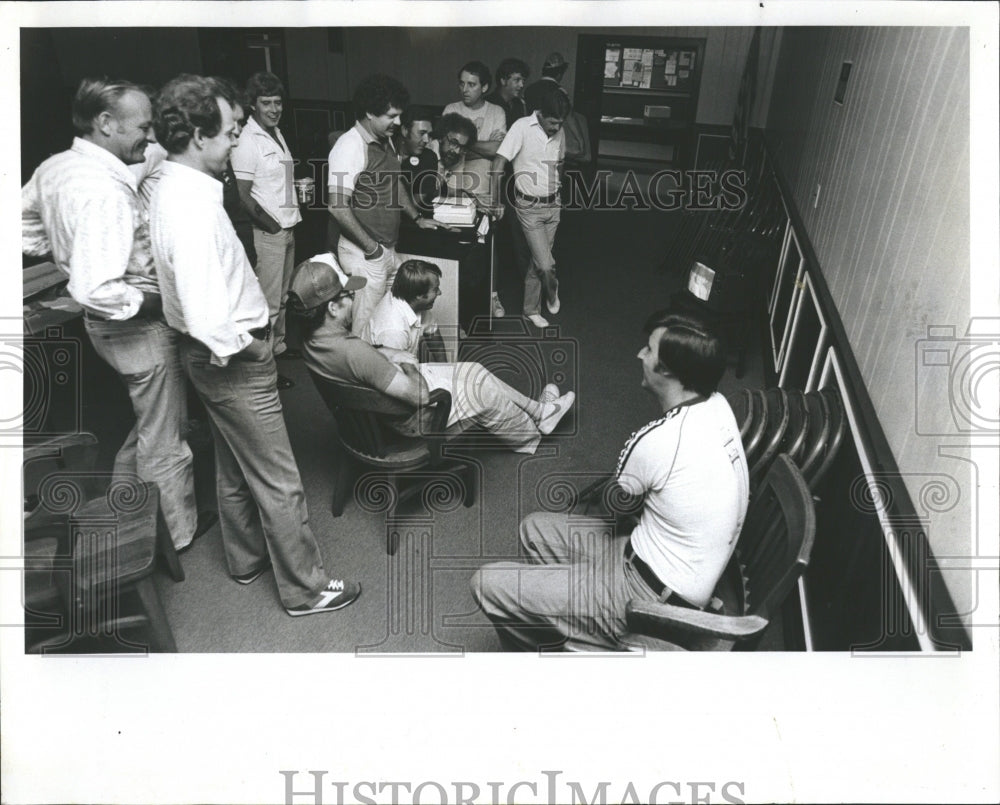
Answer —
367 192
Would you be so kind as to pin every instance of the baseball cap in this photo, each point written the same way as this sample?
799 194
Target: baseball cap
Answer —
317 280
554 60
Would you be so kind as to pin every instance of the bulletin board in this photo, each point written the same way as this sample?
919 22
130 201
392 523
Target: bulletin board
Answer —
671 69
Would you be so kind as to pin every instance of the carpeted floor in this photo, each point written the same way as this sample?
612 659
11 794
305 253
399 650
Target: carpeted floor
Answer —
418 601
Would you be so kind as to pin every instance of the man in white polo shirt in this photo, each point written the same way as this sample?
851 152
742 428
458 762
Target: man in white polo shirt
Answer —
264 170
536 146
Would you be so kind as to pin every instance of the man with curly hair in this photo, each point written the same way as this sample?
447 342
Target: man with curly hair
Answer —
367 192
210 294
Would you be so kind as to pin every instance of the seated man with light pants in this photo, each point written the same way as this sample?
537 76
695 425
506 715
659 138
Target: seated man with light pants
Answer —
367 191
688 467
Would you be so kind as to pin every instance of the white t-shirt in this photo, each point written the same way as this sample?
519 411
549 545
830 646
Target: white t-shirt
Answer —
490 121
690 466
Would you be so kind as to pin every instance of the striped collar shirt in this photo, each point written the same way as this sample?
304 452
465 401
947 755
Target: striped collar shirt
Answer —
209 290
81 205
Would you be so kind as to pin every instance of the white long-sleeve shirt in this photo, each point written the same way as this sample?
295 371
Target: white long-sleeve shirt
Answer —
82 206
209 290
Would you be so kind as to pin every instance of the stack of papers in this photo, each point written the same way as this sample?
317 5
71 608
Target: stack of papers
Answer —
455 211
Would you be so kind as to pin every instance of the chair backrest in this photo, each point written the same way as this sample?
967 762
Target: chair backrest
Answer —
838 428
362 413
794 440
776 403
777 538
753 441
818 436
76 452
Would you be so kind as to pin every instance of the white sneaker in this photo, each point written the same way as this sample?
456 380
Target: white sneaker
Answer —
538 321
550 393
337 595
556 411
553 304
498 311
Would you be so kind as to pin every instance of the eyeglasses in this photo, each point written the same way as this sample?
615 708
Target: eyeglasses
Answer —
344 295
454 143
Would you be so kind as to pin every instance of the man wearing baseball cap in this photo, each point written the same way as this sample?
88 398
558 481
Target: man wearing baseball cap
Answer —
553 71
322 296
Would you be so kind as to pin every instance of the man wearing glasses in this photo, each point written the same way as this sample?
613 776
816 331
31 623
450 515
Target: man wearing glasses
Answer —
455 135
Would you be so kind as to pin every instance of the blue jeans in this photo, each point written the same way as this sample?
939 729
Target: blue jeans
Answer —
144 352
262 507
539 223
275 263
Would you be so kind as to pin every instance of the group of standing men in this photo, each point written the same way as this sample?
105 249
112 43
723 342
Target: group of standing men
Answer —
473 143
166 283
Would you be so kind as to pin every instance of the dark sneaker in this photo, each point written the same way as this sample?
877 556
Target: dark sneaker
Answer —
337 595
253 575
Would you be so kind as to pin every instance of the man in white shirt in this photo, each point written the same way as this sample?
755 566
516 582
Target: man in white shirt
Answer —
264 170
210 294
690 472
368 192
82 205
536 145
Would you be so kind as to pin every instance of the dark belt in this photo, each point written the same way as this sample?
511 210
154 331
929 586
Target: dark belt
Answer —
539 199
261 333
652 580
142 315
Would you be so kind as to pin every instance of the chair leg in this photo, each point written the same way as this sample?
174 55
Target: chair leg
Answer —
161 636
470 478
344 474
165 548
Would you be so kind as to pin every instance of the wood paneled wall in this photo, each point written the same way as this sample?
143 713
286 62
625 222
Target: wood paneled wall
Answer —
891 231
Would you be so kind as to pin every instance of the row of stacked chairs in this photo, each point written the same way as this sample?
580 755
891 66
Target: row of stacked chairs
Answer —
808 426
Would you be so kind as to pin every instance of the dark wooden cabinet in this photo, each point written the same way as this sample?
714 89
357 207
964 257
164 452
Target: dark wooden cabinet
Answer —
639 95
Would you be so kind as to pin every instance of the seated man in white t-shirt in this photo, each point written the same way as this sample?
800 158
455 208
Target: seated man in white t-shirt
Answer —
690 471
321 294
